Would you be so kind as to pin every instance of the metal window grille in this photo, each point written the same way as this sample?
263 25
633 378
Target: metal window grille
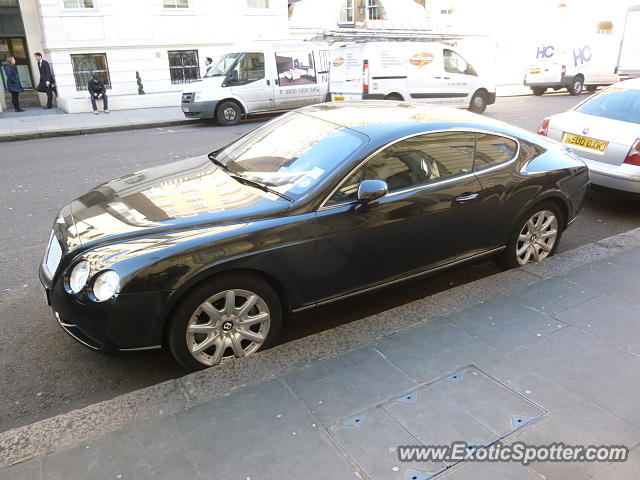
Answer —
78 3
85 65
183 66
258 3
176 3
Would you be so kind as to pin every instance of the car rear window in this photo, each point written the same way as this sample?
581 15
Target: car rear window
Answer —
615 103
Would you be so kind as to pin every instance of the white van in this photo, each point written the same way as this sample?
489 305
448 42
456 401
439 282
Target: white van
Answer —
573 65
260 77
425 72
629 56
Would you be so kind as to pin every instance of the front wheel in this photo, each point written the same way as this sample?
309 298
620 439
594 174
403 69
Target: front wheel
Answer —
535 238
228 113
478 102
576 85
231 316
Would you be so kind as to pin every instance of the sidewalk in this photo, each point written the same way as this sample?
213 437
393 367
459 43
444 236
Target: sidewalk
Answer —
541 354
38 123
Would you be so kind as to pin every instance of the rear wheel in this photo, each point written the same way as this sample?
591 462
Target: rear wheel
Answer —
231 316
478 102
535 238
228 113
394 96
538 91
591 88
576 85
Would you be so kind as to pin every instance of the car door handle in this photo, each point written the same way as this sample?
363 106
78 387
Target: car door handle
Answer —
447 78
467 197
268 82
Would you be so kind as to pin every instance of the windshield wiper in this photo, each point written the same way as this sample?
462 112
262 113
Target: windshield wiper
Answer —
217 162
252 183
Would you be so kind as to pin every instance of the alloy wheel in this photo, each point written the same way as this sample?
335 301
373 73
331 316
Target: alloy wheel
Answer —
537 237
229 114
231 323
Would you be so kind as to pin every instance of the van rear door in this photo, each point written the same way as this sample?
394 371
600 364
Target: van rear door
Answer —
298 81
345 82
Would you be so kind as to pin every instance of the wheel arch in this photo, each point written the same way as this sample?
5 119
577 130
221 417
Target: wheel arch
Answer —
394 96
237 101
209 274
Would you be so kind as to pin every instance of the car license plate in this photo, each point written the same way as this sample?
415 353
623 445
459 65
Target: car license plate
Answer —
585 142
534 72
338 99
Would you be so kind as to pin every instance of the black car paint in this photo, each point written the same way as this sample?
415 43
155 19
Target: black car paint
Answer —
302 249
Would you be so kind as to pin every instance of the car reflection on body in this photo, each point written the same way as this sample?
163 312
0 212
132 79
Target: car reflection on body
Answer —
604 131
210 256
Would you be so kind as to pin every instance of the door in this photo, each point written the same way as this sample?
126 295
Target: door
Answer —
296 79
425 76
461 79
17 48
427 219
248 81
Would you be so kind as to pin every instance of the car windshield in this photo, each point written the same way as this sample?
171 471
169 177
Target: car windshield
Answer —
292 153
222 65
615 103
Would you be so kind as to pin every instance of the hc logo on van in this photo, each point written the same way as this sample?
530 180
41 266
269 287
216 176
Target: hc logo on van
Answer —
545 51
582 54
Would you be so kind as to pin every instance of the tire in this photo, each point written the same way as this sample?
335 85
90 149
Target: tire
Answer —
510 258
478 102
577 84
221 334
538 91
591 88
228 113
395 97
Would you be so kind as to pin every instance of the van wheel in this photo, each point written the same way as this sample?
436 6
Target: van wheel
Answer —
228 113
478 102
538 91
592 88
394 96
576 86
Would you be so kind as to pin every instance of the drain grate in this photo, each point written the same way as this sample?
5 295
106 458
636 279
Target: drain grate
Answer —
467 405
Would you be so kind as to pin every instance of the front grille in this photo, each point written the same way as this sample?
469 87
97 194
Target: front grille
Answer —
53 256
187 97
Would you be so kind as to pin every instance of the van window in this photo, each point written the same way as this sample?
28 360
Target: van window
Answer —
493 150
249 69
454 63
295 68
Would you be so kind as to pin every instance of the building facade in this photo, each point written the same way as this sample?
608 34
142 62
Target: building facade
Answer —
143 50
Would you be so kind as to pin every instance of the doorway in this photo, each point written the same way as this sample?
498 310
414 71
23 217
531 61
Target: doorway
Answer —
17 47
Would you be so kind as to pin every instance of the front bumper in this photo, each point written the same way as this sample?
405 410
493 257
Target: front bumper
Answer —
199 109
564 82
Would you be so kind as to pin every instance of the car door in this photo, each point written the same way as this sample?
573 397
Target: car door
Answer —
248 81
427 219
460 78
425 74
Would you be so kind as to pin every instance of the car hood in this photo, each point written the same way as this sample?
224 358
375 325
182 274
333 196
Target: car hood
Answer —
182 195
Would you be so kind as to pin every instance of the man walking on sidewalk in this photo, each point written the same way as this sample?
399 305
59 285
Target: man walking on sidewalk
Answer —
46 84
98 91
13 82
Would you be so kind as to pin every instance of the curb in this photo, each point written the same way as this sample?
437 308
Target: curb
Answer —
23 443
90 130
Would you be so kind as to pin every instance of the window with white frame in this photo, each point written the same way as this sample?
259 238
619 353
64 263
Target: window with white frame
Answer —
78 3
374 10
176 3
346 12
258 3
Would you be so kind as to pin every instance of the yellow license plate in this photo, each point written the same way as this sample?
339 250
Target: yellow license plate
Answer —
338 99
585 142
534 72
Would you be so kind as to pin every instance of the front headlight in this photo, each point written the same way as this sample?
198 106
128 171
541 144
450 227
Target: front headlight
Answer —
79 276
197 96
106 285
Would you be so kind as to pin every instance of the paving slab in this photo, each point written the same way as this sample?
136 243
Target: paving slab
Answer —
29 470
506 324
262 432
491 471
373 445
613 279
609 318
555 296
340 387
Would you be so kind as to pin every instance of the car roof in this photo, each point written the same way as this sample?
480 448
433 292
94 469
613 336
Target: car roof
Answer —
367 116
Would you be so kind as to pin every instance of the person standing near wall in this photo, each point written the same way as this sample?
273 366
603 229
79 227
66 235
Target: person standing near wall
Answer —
207 63
46 84
13 82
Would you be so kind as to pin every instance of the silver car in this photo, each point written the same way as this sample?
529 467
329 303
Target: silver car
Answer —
604 131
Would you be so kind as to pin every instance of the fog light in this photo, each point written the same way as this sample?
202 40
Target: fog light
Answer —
106 285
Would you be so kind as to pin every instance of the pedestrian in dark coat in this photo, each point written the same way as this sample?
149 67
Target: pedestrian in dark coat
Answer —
98 91
47 83
13 82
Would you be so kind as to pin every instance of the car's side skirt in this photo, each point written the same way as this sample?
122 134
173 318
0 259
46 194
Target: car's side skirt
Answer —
402 279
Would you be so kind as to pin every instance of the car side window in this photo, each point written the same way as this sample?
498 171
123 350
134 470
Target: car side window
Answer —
454 63
249 69
493 150
423 159
348 191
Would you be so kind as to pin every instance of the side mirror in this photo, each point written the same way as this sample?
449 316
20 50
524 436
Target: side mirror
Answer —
371 190
232 76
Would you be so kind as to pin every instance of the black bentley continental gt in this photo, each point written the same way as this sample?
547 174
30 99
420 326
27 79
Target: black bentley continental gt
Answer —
209 256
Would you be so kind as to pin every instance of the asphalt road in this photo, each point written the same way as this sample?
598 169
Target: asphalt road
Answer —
43 372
